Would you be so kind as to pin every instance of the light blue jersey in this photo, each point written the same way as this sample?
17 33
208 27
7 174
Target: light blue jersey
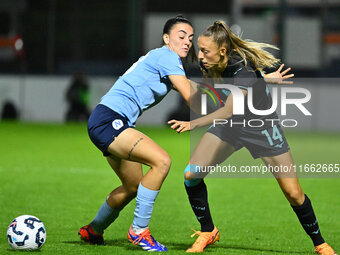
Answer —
144 84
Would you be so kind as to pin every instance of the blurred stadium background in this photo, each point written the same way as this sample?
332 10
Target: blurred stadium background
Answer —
56 55
44 45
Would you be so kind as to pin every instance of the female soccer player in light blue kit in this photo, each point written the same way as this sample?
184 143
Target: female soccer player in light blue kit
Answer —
111 129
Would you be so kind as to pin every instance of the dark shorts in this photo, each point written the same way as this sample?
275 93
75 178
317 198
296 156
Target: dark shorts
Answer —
104 126
260 142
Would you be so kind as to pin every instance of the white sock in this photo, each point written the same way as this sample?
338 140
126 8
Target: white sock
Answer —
139 230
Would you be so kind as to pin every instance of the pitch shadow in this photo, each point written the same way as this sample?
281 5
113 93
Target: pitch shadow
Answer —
124 243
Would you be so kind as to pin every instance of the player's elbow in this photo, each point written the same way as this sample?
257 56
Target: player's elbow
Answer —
187 100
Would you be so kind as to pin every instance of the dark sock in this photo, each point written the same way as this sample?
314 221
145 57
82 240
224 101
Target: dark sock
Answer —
307 218
198 197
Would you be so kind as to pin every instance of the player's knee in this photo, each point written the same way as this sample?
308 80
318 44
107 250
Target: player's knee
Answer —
163 163
191 175
295 196
191 172
131 190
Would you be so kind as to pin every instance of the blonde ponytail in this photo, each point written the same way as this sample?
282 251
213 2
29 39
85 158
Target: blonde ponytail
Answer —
247 49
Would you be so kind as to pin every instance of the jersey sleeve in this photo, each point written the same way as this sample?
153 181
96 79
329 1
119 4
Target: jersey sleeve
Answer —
170 64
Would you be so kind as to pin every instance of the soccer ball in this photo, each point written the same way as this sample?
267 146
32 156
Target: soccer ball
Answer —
26 232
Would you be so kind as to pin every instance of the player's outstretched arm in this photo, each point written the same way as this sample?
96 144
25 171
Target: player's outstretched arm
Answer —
224 112
279 76
188 90
182 126
182 85
195 97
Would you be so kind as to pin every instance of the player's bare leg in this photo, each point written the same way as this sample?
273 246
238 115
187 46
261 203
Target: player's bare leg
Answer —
130 174
133 145
300 202
288 181
128 151
210 151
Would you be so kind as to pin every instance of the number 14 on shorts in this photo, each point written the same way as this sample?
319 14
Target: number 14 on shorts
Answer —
276 135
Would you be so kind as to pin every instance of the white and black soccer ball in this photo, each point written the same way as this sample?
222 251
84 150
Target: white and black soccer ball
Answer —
26 232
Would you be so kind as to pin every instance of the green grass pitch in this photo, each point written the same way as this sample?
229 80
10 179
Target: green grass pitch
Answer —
55 173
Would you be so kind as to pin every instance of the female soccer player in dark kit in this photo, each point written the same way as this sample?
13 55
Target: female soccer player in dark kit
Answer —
223 55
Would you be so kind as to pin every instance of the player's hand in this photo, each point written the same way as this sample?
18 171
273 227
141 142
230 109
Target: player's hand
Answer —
180 126
279 76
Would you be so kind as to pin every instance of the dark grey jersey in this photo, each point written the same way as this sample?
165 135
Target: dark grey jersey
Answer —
245 77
